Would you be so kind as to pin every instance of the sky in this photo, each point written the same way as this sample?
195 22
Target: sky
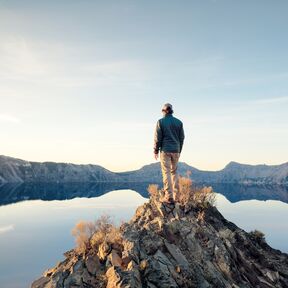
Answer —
84 81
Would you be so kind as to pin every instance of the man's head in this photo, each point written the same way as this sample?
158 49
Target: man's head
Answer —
167 109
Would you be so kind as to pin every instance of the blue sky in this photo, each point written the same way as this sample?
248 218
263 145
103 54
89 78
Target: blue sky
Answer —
84 81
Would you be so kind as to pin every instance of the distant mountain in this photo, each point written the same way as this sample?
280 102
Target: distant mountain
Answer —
17 170
13 170
262 174
232 173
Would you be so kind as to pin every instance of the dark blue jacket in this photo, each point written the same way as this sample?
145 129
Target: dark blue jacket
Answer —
169 134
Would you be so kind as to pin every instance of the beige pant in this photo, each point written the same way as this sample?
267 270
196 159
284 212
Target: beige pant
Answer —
169 161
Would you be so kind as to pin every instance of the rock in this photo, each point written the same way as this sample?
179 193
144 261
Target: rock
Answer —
177 211
159 271
113 278
143 264
41 282
272 275
78 266
126 259
122 279
161 209
115 259
132 265
49 272
177 255
103 250
74 279
150 285
92 263
59 277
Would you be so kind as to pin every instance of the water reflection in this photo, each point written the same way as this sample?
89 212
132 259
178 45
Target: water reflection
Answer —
12 193
35 233
237 192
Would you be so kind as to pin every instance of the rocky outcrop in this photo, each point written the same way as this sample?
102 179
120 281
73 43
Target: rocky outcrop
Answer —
174 246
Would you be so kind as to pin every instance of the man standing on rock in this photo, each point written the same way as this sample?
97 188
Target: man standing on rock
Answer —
168 139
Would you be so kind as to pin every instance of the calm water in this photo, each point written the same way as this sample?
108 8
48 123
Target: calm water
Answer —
35 229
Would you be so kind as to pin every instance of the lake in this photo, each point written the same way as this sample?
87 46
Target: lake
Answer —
36 220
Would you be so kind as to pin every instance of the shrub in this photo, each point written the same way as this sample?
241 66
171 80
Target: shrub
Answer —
189 193
110 234
82 232
257 235
153 191
91 234
185 189
203 197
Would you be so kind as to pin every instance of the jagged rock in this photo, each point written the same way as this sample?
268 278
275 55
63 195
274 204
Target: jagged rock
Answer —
92 263
74 279
41 282
49 272
103 250
118 278
114 258
167 246
177 255
114 278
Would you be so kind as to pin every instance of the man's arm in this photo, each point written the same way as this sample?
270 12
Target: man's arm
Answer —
181 137
157 138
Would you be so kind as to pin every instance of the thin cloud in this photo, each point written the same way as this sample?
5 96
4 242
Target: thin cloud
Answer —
31 61
19 59
7 228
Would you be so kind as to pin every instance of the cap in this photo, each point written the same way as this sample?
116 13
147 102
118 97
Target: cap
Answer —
166 107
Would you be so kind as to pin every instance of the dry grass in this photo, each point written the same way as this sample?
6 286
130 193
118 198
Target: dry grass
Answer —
204 197
82 232
91 234
153 191
189 193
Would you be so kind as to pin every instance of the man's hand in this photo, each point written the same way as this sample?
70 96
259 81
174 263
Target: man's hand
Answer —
156 156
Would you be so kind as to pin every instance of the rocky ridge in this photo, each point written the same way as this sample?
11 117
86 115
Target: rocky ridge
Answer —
174 246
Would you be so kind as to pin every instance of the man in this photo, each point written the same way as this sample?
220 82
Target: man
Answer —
168 139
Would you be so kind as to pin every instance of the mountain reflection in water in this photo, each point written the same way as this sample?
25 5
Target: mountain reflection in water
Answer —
12 193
